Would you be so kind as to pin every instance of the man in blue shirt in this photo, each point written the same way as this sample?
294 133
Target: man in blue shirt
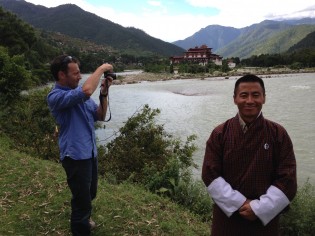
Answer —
75 112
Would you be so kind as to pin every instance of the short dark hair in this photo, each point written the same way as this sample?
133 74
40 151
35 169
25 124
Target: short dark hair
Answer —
249 78
60 63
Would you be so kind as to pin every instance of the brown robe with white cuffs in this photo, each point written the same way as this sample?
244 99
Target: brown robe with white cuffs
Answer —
250 162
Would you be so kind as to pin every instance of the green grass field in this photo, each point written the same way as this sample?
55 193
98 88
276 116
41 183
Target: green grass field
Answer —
35 200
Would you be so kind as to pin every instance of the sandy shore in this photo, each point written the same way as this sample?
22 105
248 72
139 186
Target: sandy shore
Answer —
142 76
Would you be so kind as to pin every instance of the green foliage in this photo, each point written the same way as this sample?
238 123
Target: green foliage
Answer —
156 68
305 58
13 78
29 123
193 195
307 42
155 64
15 34
21 40
193 68
296 66
144 153
225 67
300 218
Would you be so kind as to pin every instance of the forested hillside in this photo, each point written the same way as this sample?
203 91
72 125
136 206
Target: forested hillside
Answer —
71 20
266 37
307 43
20 40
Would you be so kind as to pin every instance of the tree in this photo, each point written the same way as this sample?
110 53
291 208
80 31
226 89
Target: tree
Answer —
14 78
15 34
31 126
225 66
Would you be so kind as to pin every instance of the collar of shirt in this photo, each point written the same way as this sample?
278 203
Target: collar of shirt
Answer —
57 85
243 124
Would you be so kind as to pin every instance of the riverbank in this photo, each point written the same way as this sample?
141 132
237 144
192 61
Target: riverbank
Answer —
152 77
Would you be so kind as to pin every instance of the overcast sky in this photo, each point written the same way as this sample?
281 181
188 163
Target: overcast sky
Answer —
172 20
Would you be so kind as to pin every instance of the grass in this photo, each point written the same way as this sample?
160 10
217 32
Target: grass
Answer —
35 200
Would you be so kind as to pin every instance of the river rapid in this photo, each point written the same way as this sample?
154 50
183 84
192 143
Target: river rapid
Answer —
194 106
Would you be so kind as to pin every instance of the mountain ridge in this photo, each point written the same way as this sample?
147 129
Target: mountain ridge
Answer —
266 37
71 20
255 39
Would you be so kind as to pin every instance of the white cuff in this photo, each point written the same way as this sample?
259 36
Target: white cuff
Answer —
270 204
228 199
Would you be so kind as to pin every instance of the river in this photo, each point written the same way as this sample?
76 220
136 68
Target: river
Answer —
194 106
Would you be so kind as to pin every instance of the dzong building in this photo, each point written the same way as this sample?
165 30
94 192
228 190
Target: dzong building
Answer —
201 55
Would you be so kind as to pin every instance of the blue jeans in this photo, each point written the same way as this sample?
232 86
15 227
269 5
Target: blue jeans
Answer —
82 181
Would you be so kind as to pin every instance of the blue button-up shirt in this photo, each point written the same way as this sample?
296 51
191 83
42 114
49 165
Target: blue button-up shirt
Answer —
76 114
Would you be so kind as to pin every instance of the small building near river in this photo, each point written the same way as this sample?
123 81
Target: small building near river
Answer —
201 55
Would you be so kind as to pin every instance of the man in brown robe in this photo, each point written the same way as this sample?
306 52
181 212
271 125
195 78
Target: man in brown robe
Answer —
249 167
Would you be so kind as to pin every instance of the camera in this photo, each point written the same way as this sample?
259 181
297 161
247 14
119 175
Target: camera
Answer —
110 74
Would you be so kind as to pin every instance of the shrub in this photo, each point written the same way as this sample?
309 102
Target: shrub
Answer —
296 66
144 153
300 218
13 78
193 195
29 123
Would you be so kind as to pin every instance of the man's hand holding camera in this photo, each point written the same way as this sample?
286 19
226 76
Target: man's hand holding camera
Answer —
109 76
107 82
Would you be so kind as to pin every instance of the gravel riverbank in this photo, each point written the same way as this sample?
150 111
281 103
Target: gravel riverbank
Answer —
151 77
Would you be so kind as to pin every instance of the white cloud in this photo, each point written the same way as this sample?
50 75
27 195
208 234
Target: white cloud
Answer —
154 3
160 24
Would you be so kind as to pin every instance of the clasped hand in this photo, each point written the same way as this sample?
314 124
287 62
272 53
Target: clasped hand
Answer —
246 211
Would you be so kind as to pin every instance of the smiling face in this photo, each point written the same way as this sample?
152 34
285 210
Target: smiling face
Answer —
249 98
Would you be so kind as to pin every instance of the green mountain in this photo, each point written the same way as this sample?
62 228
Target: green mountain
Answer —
307 43
268 37
214 36
71 20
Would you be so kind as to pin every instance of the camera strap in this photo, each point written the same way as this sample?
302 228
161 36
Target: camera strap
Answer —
102 101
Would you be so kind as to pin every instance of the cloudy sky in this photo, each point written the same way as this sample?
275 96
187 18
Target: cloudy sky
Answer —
172 20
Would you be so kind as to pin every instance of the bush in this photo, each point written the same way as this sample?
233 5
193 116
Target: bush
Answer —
144 153
13 78
193 195
29 123
300 218
296 66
